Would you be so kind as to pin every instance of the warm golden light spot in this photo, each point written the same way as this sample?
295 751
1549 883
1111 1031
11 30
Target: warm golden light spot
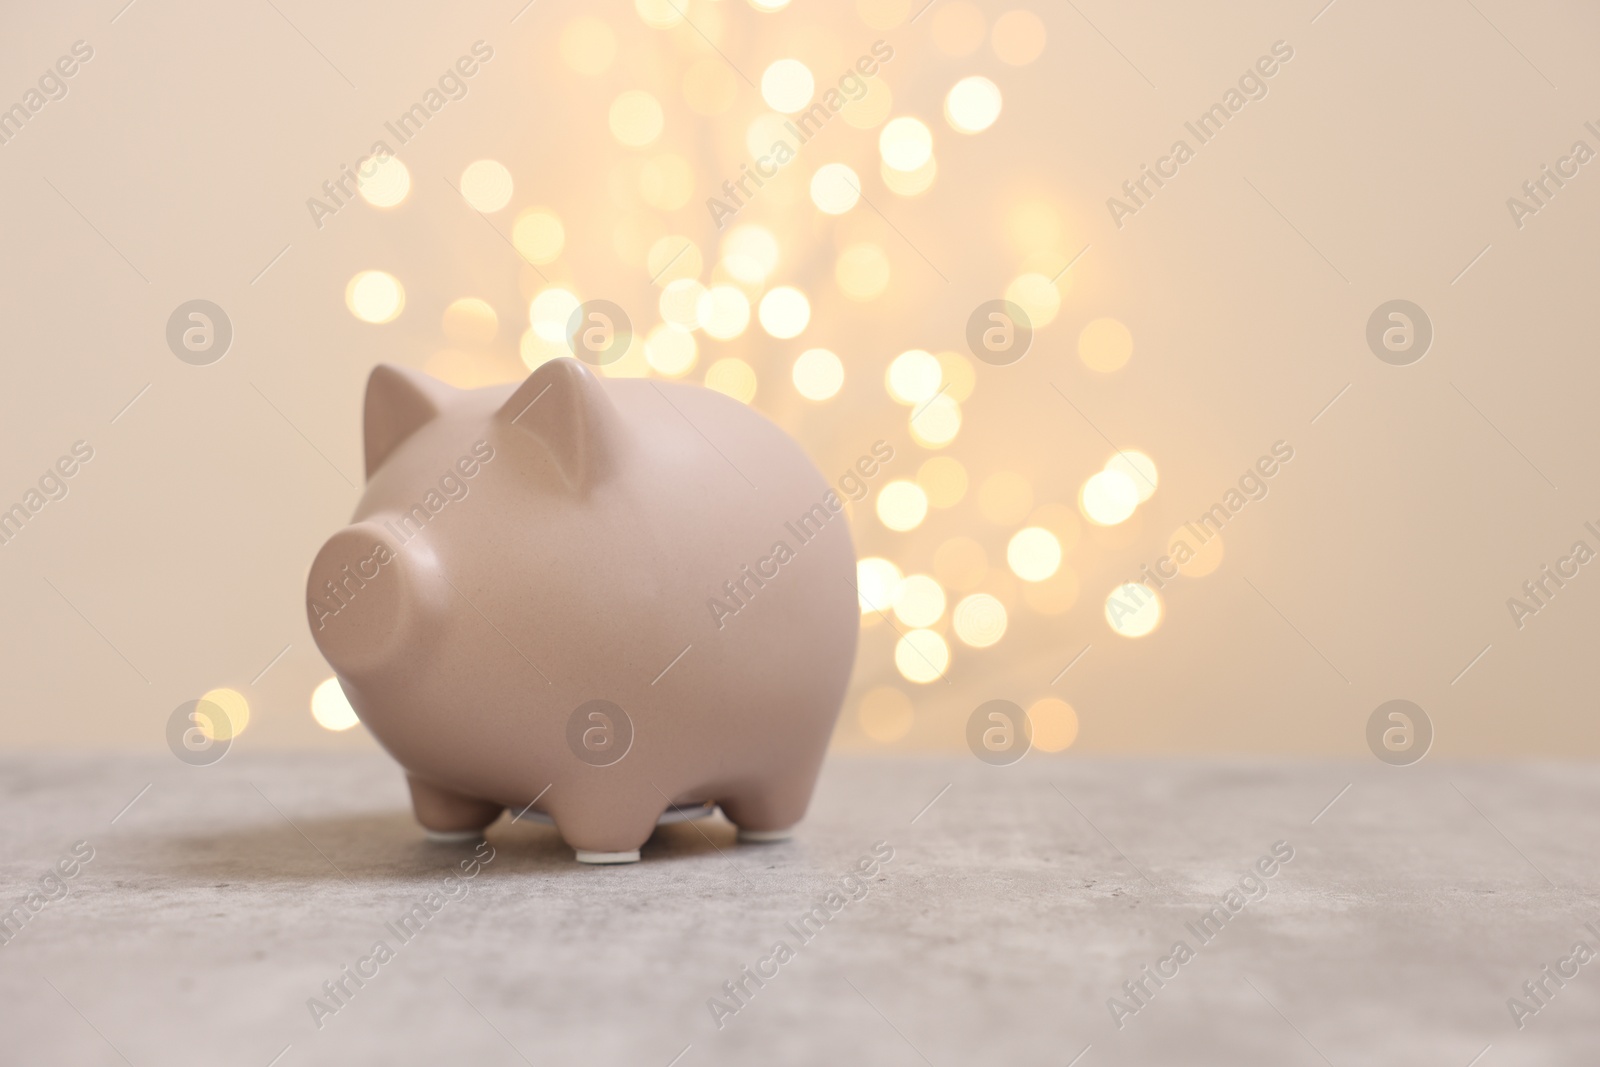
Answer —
635 118
1053 596
671 350
631 232
1133 610
905 144
711 20
1033 554
920 601
910 182
661 14
877 584
972 105
1193 557
666 182
750 253
1140 469
921 656
1033 225
1108 497
710 87
734 377
787 86
1050 263
538 235
835 188
536 351
1060 520
979 620
873 107
549 313
885 714
470 319
1055 724
383 183
934 423
902 505
883 14
473 370
914 377
1037 295
631 364
680 303
769 5
957 28
862 271
724 312
330 707
673 257
763 132
588 46
375 296
818 374
959 376
1005 498
960 563
235 715
1115 538
486 185
944 479
784 312
1018 37
1105 345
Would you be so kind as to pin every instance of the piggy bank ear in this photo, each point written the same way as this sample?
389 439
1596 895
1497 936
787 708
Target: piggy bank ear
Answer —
399 401
565 408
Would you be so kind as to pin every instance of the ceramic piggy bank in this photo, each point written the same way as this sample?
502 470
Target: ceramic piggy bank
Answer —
604 602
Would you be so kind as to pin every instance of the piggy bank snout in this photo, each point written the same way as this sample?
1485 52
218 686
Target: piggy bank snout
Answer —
361 601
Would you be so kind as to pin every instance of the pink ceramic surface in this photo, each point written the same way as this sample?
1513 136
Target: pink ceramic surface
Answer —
603 597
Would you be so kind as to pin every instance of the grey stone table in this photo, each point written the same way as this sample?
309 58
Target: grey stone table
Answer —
1017 903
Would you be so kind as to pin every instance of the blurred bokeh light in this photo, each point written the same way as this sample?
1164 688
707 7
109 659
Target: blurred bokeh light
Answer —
331 708
970 546
235 714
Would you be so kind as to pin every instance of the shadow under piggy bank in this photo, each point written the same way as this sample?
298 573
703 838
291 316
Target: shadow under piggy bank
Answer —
383 847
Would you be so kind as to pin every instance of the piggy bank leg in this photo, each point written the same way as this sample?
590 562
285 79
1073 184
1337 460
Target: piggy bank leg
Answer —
601 830
768 811
448 816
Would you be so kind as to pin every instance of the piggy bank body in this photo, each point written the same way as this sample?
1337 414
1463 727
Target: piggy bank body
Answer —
603 601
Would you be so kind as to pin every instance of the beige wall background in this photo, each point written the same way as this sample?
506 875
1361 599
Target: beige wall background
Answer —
1378 166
